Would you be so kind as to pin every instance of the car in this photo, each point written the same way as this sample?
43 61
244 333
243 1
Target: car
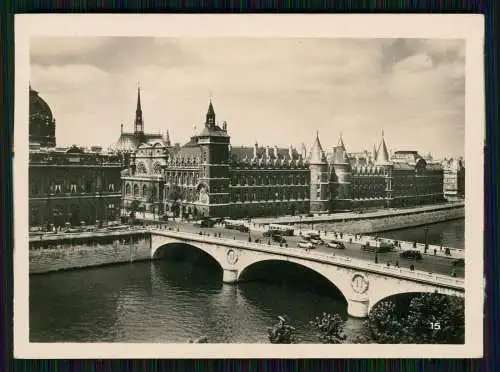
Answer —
316 241
243 228
278 238
411 255
336 244
309 215
306 244
460 262
267 233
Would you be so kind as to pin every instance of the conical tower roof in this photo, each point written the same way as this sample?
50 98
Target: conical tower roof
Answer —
317 155
341 143
382 153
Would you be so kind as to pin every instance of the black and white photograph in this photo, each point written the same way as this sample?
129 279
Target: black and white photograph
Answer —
186 180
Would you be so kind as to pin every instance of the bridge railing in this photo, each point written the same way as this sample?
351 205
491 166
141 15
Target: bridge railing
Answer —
341 260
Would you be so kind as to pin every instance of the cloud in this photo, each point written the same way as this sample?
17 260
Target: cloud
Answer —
271 90
63 78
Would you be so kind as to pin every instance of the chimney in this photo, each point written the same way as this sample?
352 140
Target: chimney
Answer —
255 147
224 126
267 152
276 156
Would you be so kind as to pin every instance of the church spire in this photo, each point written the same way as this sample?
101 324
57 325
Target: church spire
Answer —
138 124
210 120
167 139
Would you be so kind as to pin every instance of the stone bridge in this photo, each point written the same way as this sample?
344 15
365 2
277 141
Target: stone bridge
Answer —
362 283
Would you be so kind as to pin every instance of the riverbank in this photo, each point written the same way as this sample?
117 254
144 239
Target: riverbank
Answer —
373 222
57 252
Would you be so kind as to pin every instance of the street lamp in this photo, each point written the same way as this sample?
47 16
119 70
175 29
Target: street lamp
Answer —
426 246
300 225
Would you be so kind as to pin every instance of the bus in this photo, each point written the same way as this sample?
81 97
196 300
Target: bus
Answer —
236 225
281 229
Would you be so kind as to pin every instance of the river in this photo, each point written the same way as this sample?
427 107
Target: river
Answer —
174 301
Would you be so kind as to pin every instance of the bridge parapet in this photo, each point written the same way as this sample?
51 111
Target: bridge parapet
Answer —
400 273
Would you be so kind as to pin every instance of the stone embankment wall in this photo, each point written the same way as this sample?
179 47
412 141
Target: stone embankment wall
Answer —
390 222
79 252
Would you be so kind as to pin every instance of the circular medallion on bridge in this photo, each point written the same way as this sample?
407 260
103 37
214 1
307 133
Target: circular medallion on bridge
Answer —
359 283
232 256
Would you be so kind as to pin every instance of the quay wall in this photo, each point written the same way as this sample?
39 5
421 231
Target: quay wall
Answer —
377 224
63 253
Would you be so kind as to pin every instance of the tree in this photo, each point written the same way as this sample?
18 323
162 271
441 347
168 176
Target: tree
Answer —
133 208
436 318
282 333
385 325
175 195
430 318
330 328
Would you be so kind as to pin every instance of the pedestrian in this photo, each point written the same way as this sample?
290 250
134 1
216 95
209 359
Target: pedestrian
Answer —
412 267
435 251
397 263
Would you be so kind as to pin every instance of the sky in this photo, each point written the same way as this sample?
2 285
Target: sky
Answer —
270 91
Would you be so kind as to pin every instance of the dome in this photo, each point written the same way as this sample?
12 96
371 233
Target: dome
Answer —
42 126
38 107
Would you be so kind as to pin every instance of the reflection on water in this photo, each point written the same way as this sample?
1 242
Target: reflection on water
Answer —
449 233
165 301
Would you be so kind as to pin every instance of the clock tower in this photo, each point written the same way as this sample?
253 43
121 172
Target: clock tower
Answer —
213 190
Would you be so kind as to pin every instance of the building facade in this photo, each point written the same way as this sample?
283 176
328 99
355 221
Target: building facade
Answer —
454 178
209 177
68 185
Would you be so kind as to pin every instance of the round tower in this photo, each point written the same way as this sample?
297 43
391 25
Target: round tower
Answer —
319 178
342 195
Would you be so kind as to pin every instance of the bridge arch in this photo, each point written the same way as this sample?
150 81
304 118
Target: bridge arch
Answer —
333 275
289 270
409 289
186 251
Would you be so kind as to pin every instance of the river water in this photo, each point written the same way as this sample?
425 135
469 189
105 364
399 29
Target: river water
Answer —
174 301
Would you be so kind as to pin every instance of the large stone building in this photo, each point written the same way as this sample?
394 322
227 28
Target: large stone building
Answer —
454 178
68 184
209 177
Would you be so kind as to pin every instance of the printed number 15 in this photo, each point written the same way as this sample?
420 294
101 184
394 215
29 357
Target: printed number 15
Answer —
436 326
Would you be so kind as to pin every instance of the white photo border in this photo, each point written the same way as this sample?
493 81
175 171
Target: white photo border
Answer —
468 27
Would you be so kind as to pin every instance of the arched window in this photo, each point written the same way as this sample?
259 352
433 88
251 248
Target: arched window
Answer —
144 190
136 190
157 168
141 168
127 189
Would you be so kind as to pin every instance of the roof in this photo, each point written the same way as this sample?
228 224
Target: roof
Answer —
317 155
382 153
240 153
130 141
216 132
38 106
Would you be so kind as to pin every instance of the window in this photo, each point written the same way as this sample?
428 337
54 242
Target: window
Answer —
136 190
141 168
72 188
111 187
144 190
127 189
157 168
